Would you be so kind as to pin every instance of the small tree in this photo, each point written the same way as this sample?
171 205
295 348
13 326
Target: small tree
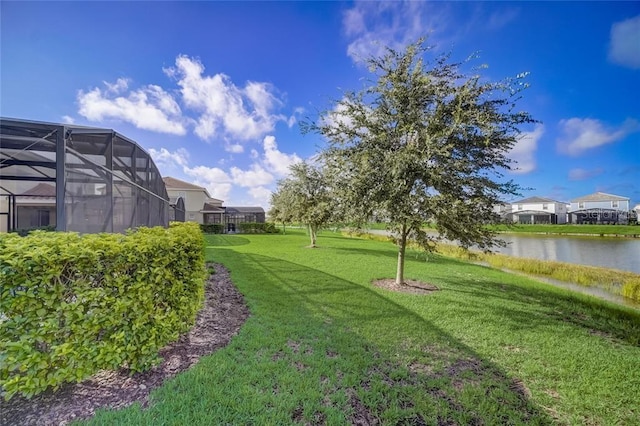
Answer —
304 197
424 143
280 210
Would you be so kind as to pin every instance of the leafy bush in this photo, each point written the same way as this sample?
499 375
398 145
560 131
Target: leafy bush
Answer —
212 228
257 228
243 228
23 232
74 304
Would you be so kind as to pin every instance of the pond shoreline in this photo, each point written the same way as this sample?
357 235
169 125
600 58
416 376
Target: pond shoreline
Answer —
572 234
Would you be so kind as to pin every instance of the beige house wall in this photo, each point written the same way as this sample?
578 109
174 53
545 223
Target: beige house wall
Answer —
4 207
193 201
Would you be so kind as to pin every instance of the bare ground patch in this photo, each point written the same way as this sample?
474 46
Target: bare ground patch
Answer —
409 286
221 317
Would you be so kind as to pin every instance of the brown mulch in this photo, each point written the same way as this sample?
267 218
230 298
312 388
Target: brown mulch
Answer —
409 286
221 317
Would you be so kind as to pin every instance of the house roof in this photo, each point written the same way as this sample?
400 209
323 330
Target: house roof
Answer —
531 200
174 183
177 184
244 209
41 190
211 208
600 196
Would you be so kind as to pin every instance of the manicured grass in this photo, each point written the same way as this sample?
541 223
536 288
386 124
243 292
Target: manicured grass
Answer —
323 346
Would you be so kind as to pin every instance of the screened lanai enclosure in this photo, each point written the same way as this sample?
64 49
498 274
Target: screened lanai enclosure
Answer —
75 178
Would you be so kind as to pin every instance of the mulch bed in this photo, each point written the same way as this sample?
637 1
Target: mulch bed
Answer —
221 317
409 286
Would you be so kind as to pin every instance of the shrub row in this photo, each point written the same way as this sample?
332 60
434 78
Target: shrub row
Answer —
257 228
74 304
243 228
212 228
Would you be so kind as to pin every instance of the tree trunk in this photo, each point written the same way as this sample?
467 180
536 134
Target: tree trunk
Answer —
402 246
284 228
312 234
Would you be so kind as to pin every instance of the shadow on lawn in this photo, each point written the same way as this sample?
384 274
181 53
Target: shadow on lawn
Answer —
594 315
415 374
215 240
590 313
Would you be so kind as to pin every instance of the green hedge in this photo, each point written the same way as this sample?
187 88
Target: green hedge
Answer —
212 228
242 228
257 228
74 304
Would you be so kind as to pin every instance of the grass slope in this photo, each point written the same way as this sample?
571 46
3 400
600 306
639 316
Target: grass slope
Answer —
323 346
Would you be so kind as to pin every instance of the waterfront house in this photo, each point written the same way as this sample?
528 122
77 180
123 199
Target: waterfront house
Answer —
193 196
201 208
599 207
537 210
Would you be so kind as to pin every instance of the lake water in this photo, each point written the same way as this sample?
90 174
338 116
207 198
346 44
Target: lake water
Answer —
606 252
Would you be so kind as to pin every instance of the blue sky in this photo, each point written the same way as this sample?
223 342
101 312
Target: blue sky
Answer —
215 90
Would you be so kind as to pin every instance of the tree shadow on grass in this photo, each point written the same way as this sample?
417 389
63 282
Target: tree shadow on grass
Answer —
224 240
552 304
432 378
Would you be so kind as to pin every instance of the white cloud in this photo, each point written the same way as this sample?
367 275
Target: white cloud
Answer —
376 25
67 119
169 160
255 176
226 109
258 178
277 161
234 148
261 196
119 86
583 174
524 150
624 46
580 135
148 108
216 180
502 17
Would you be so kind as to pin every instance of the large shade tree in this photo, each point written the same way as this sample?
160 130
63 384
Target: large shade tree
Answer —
304 197
424 142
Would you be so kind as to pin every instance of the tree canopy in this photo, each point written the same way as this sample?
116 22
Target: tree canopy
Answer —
303 197
423 142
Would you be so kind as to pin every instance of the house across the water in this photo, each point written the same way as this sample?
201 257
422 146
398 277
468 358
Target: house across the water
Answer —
599 207
537 210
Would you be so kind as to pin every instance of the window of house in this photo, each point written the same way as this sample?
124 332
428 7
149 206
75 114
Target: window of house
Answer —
581 205
42 218
545 207
183 195
614 204
192 216
519 206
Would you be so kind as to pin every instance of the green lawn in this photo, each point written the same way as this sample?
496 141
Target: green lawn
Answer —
323 346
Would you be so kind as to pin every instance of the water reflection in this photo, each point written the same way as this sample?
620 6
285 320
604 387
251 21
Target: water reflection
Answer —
613 253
